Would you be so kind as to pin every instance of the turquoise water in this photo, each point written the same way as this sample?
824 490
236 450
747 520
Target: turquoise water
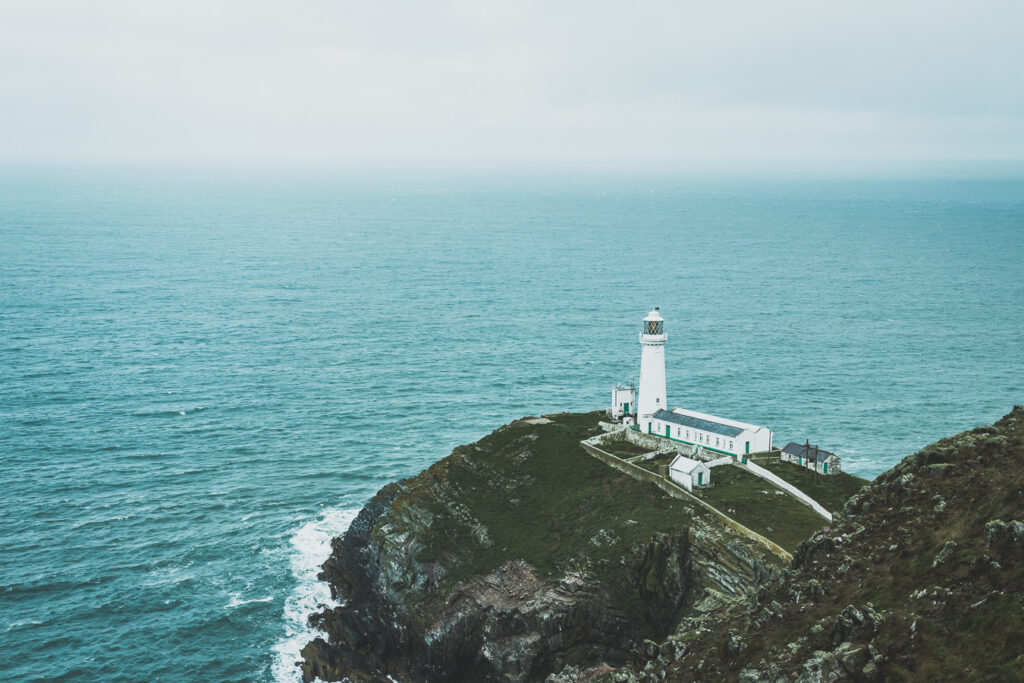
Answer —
204 375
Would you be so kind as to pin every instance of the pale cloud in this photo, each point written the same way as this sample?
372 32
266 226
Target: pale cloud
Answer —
495 81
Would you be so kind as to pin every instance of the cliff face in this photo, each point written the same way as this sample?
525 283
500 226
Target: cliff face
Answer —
518 557
921 580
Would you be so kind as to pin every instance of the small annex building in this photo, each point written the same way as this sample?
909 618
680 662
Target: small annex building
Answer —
811 457
623 400
717 434
689 473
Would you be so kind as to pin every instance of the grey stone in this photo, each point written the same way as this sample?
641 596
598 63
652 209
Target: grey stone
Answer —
944 555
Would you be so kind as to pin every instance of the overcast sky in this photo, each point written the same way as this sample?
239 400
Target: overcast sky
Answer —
511 82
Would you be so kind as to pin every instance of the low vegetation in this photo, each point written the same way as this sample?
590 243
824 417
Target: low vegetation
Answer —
832 490
919 580
759 506
657 465
529 491
623 449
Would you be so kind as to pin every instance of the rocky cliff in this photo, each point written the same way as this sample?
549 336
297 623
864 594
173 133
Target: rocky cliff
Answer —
521 558
518 557
921 580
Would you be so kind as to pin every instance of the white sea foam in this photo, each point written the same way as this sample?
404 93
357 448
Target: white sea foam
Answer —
310 546
237 601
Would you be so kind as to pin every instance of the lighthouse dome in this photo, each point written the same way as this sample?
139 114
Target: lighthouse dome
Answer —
654 325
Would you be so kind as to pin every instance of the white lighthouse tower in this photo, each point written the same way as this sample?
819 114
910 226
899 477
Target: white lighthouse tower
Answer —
651 396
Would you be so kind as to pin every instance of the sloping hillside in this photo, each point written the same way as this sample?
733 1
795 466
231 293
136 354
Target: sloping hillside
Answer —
520 556
922 580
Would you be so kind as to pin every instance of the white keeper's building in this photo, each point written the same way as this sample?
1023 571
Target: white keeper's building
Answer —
811 457
716 434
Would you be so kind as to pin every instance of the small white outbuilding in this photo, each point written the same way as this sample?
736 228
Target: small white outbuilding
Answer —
623 400
811 457
689 473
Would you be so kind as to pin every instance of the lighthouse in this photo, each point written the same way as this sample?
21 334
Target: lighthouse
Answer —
651 397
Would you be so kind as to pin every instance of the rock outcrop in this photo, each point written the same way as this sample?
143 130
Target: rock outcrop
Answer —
920 580
520 557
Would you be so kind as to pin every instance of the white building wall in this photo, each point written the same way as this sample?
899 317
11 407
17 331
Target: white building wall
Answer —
760 440
734 445
651 395
681 478
689 479
623 401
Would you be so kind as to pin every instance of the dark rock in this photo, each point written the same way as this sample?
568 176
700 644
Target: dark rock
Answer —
738 619
822 667
945 554
853 624
404 616
1005 539
939 470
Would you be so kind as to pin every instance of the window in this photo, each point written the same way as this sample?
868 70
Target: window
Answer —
730 445
654 326
716 440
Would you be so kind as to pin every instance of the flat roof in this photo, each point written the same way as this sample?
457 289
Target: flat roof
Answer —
712 426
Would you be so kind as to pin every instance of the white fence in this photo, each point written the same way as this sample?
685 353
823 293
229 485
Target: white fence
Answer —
722 461
786 486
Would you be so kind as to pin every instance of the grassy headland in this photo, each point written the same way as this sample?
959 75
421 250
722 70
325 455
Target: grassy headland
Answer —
832 490
531 492
760 507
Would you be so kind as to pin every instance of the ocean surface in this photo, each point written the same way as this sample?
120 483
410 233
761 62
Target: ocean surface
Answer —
203 375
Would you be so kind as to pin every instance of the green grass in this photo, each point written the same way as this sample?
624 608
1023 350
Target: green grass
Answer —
742 496
654 463
830 490
544 500
623 448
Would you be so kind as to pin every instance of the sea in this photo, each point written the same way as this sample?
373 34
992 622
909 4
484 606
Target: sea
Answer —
204 373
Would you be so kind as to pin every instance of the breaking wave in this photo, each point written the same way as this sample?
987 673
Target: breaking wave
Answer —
310 546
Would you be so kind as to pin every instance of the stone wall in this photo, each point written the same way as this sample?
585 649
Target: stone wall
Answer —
655 443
